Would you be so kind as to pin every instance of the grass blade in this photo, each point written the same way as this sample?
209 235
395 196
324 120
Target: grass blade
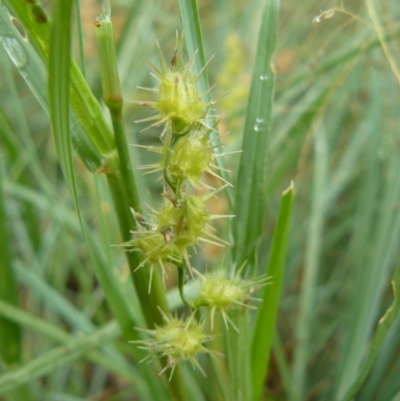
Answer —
115 365
194 43
312 258
264 328
32 69
84 104
374 245
57 357
10 338
250 199
383 327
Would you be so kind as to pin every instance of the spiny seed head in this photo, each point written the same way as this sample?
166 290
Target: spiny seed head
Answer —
176 226
178 340
179 102
220 293
186 220
153 246
189 158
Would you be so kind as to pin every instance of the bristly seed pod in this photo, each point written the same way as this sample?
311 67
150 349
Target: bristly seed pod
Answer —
186 157
178 340
220 293
176 226
179 103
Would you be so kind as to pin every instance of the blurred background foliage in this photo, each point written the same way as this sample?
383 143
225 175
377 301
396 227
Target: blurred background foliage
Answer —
335 134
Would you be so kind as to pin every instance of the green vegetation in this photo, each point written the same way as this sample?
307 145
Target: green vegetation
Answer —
205 278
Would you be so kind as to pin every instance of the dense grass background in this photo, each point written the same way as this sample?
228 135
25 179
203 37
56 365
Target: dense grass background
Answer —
335 134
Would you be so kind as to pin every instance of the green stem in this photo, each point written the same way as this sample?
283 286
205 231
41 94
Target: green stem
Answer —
181 284
121 180
175 186
220 382
123 186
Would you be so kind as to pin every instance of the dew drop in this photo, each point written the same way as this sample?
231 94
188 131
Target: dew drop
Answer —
15 51
263 77
259 120
257 127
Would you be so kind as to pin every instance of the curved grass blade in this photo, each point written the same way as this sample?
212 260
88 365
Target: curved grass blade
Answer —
264 328
383 327
250 198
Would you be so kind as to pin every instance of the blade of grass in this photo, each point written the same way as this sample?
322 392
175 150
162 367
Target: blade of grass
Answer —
191 27
361 43
84 104
10 338
32 69
118 366
264 327
373 245
250 198
49 361
311 265
80 36
59 108
373 12
59 61
383 327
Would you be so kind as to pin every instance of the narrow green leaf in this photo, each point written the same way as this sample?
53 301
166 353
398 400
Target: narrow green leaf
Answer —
264 328
10 338
84 104
374 244
311 263
362 43
59 60
59 105
32 69
383 327
49 361
194 43
250 199
106 359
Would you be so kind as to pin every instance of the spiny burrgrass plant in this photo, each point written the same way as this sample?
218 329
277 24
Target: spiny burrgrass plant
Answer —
182 220
77 314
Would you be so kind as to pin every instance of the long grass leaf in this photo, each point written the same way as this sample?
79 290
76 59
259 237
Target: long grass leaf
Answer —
383 327
264 327
250 199
49 361
118 366
59 59
374 244
312 263
84 104
33 71
10 338
194 43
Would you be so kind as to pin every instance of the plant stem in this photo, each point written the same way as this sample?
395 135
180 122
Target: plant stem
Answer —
123 186
121 180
